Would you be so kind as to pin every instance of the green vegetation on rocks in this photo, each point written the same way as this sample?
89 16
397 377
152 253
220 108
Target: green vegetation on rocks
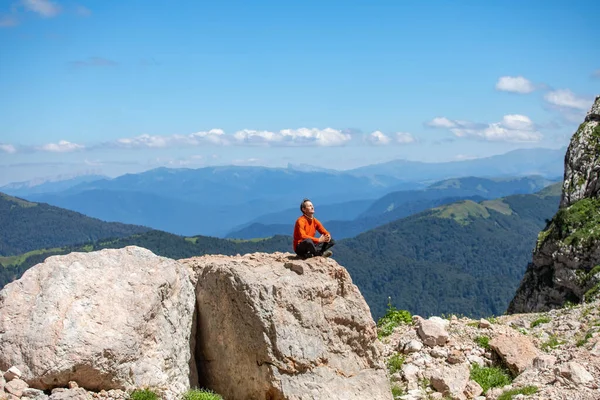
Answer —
143 394
392 318
527 391
201 394
490 377
576 225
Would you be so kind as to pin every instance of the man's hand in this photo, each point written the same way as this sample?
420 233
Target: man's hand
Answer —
324 238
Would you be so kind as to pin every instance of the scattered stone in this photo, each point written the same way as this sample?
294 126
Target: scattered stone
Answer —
575 372
484 323
451 380
412 346
72 385
516 351
439 352
16 386
12 373
432 332
472 389
456 357
544 361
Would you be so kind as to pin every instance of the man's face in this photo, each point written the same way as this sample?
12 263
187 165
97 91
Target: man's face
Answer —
309 209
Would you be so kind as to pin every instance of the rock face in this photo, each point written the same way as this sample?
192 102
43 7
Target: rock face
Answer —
112 319
272 327
567 255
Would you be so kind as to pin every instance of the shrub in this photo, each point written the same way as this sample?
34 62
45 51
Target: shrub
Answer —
483 341
201 394
527 390
392 318
489 377
395 363
583 341
143 394
397 391
539 321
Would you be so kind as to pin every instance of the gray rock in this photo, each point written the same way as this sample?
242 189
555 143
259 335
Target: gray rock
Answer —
451 380
575 372
517 352
107 319
269 332
432 332
12 373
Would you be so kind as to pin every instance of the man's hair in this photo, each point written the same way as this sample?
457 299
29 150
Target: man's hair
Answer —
302 204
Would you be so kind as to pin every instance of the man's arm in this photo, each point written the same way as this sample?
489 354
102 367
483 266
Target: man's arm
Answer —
303 233
320 228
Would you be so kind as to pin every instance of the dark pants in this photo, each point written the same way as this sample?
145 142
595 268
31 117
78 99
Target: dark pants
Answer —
307 248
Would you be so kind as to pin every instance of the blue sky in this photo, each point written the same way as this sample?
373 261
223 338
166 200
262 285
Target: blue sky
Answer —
113 87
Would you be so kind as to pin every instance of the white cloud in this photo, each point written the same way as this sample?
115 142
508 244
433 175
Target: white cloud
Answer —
8 21
404 138
214 136
512 128
514 84
441 122
378 138
45 8
62 146
293 137
8 148
566 98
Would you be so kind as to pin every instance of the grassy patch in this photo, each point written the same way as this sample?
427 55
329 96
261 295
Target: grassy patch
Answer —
584 340
483 341
392 318
551 343
539 321
576 225
18 260
395 363
527 390
463 211
201 394
397 391
143 394
490 377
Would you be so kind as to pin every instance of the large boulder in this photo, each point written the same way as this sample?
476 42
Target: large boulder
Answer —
112 319
273 327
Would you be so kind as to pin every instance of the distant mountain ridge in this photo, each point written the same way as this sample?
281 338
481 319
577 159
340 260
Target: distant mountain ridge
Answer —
396 205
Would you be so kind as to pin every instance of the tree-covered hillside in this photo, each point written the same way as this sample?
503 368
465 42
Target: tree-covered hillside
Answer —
161 243
463 258
27 226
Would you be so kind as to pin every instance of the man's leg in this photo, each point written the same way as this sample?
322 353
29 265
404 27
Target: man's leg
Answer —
306 249
325 246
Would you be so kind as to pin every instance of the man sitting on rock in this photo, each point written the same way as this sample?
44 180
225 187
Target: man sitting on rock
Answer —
306 245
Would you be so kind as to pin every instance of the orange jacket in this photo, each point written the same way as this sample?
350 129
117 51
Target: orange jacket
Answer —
306 228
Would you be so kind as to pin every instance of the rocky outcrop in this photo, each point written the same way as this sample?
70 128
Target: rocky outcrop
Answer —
553 354
565 265
274 327
112 319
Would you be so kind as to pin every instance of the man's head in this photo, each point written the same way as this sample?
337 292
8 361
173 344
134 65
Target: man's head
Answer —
307 208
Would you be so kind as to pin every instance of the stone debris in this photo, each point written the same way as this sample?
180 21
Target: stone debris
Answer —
559 363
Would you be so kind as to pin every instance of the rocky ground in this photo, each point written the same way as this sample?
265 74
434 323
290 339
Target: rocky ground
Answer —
555 353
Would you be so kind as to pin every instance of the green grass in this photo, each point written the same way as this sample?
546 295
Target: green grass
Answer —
527 390
397 391
201 394
551 343
392 318
539 321
577 224
19 259
253 240
498 205
461 212
584 340
143 394
490 377
395 363
483 341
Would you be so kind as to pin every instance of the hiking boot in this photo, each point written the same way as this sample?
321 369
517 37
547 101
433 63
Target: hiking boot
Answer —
327 253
